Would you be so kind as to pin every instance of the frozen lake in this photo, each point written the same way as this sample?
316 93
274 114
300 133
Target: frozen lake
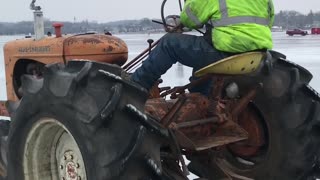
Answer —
303 50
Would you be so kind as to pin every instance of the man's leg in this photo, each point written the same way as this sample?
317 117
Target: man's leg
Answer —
189 50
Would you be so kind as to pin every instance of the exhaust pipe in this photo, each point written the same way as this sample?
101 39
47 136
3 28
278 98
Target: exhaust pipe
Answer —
38 21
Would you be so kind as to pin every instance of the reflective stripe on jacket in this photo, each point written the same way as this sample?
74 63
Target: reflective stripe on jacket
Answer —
239 25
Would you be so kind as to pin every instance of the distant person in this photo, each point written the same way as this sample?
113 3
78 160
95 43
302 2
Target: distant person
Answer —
49 34
237 28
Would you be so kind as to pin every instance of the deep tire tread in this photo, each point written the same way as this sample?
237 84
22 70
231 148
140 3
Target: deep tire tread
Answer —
291 110
294 84
91 106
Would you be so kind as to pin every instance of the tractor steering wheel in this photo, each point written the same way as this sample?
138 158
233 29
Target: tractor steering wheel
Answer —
172 23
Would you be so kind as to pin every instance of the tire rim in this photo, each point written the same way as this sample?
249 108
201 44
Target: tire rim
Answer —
51 152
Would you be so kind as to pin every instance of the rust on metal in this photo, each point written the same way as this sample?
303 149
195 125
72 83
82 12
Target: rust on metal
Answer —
170 116
217 88
228 132
251 122
175 92
244 101
155 90
194 108
96 47
217 106
3 109
158 108
196 123
197 129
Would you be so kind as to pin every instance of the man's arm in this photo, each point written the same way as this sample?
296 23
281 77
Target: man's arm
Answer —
196 13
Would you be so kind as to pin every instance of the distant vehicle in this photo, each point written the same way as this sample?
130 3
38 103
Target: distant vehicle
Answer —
315 30
276 29
296 32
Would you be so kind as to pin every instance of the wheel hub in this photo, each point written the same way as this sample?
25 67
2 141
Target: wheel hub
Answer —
71 171
70 166
52 152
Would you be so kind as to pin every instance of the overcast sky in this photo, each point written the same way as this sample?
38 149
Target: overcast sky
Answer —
110 10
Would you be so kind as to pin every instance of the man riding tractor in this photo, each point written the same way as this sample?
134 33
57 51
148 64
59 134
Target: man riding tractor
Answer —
239 26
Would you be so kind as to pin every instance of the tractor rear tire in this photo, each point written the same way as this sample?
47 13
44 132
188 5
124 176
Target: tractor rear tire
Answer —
289 112
81 121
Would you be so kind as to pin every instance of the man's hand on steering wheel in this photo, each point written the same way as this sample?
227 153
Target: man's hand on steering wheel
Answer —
173 24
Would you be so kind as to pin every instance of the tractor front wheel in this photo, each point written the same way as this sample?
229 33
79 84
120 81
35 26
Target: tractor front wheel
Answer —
81 122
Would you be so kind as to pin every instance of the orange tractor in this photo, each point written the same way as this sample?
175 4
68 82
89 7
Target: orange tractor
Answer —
75 115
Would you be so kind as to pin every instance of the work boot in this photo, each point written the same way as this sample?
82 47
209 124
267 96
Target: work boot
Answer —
155 91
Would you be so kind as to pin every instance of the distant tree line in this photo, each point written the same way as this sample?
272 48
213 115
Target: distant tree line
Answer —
285 19
124 26
295 19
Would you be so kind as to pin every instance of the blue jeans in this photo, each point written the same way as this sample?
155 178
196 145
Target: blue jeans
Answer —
189 50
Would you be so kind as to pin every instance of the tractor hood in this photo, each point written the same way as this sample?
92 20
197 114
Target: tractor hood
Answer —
95 47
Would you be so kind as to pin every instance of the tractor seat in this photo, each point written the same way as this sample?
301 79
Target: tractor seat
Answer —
240 64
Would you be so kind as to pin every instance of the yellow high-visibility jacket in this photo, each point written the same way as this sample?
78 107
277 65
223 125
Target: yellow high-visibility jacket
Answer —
239 25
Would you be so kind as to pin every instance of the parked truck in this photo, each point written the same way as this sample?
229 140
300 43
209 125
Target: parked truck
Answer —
296 32
315 30
76 115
